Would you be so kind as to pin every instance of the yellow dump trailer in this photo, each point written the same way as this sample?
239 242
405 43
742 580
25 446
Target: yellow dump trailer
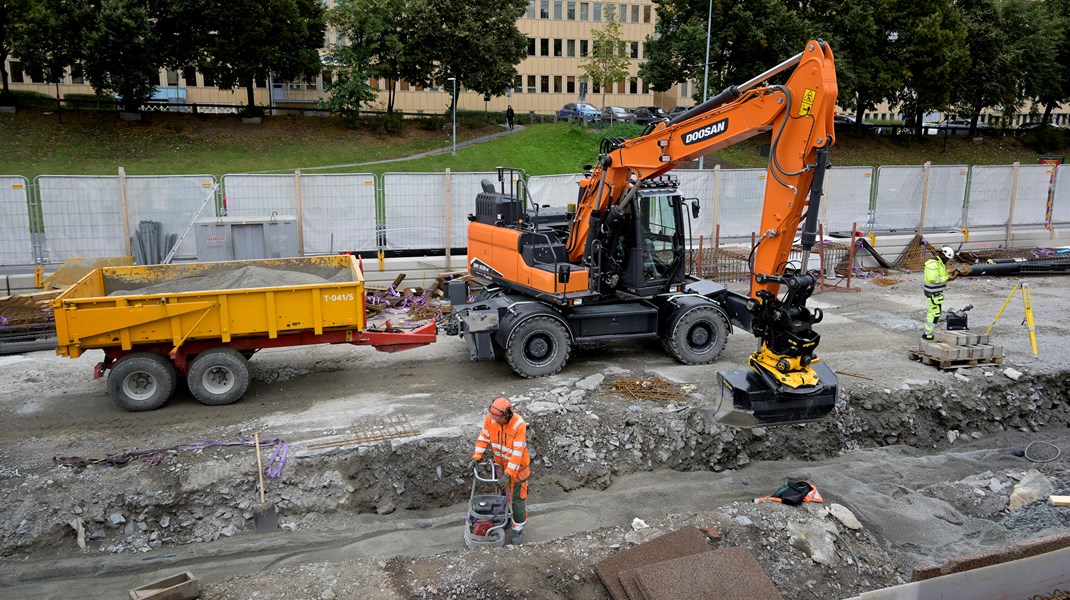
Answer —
205 320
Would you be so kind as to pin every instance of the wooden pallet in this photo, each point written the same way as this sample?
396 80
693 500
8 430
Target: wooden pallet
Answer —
956 363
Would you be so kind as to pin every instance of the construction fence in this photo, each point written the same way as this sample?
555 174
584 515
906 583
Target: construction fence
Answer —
55 218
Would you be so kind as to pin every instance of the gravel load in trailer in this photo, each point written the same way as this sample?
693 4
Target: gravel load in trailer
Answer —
205 320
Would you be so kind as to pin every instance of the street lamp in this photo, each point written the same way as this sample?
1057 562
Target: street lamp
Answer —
454 103
706 76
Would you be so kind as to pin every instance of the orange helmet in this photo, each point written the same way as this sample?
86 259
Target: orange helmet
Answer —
501 407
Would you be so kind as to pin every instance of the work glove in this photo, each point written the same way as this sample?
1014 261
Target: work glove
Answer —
472 464
503 482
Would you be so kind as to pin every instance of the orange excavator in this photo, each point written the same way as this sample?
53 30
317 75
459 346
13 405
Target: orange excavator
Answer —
615 268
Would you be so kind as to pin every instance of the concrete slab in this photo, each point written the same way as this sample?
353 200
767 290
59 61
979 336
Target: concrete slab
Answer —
727 573
680 543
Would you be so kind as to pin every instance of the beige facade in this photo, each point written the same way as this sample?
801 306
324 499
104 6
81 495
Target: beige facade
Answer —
559 34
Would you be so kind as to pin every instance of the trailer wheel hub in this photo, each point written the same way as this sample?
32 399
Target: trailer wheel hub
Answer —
218 380
139 385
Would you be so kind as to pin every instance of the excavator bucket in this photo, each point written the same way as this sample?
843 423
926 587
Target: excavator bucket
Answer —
748 399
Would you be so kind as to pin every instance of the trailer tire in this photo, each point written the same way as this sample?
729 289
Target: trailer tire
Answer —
218 377
538 346
698 337
141 381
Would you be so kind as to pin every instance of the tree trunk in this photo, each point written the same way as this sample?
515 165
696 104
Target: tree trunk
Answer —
391 92
1045 119
249 94
3 72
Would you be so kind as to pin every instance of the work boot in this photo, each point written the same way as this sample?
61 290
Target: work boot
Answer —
926 336
517 537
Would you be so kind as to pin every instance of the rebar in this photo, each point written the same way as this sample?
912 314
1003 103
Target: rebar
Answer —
654 388
374 429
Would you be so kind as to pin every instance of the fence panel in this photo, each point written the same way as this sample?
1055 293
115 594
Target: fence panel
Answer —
1031 204
555 190
699 184
900 191
847 198
742 195
260 195
415 208
16 246
1060 212
82 216
990 195
171 200
338 213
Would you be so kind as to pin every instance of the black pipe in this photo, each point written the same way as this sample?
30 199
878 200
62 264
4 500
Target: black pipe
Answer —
809 232
727 95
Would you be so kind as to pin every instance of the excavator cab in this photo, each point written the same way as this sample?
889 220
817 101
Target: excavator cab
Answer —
646 243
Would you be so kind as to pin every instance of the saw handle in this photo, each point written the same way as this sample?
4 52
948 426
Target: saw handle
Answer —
259 465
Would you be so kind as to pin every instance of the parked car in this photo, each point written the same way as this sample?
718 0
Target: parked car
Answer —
617 114
649 114
579 110
962 127
847 123
678 109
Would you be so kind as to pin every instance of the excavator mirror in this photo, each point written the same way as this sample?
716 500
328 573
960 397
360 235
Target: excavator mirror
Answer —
694 207
563 274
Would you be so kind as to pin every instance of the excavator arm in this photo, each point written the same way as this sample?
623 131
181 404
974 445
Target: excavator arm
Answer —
787 383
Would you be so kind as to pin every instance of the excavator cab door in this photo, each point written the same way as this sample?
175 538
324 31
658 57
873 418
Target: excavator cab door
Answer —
653 243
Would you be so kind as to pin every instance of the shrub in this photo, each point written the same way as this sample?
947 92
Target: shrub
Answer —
433 123
387 123
28 99
1045 139
251 111
89 101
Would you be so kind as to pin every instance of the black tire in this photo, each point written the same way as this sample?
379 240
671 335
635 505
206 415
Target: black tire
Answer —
141 381
218 377
538 347
698 337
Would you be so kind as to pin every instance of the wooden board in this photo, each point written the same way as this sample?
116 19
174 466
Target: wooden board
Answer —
1059 500
956 363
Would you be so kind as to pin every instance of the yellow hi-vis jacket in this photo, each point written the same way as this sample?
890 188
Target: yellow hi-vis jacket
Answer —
509 443
935 276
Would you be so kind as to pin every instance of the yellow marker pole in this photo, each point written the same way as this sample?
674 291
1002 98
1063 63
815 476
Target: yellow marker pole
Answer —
1027 301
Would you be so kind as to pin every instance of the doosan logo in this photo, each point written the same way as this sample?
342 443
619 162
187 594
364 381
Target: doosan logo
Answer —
708 131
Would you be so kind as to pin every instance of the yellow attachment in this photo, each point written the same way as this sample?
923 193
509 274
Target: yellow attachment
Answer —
795 376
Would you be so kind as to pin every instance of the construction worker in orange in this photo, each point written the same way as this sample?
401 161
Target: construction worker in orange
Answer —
506 433
936 278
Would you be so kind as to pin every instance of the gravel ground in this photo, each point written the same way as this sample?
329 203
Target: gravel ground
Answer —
928 461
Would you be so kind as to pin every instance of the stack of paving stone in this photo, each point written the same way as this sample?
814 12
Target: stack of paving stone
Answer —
682 564
954 349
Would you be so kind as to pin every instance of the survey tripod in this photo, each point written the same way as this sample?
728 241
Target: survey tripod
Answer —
1027 301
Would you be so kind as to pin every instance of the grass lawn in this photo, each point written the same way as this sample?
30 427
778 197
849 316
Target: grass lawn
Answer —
97 143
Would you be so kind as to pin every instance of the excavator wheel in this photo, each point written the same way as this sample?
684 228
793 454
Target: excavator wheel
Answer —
698 337
539 346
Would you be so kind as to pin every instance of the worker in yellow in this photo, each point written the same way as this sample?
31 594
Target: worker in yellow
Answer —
506 433
936 278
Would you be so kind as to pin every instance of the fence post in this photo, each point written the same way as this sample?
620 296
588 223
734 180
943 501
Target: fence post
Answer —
449 217
716 197
300 220
1014 198
126 216
924 197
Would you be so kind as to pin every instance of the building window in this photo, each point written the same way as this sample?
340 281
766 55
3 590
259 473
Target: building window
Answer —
633 85
597 12
171 78
209 81
557 84
585 11
635 49
189 74
77 75
557 9
533 9
622 13
531 84
646 87
570 48
544 84
15 69
583 48
683 90
531 46
570 85
635 13
571 11
646 14
518 85
261 83
557 47
544 46
544 9
35 75
596 88
404 85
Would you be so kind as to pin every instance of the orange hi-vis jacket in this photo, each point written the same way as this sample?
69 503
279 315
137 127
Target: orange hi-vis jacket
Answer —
509 443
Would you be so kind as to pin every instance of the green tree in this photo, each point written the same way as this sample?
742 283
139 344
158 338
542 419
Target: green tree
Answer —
252 39
476 41
359 25
607 62
746 38
930 41
121 52
1047 76
51 37
12 12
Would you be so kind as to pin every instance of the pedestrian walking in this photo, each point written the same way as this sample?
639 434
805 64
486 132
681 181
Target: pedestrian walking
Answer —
509 116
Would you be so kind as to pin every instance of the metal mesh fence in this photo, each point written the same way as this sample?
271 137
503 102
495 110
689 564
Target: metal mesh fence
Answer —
82 216
16 247
1061 197
172 201
338 213
847 198
1030 207
415 208
740 207
554 190
989 198
900 192
260 195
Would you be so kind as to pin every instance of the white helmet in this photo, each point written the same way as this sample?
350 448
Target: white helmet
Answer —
949 254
